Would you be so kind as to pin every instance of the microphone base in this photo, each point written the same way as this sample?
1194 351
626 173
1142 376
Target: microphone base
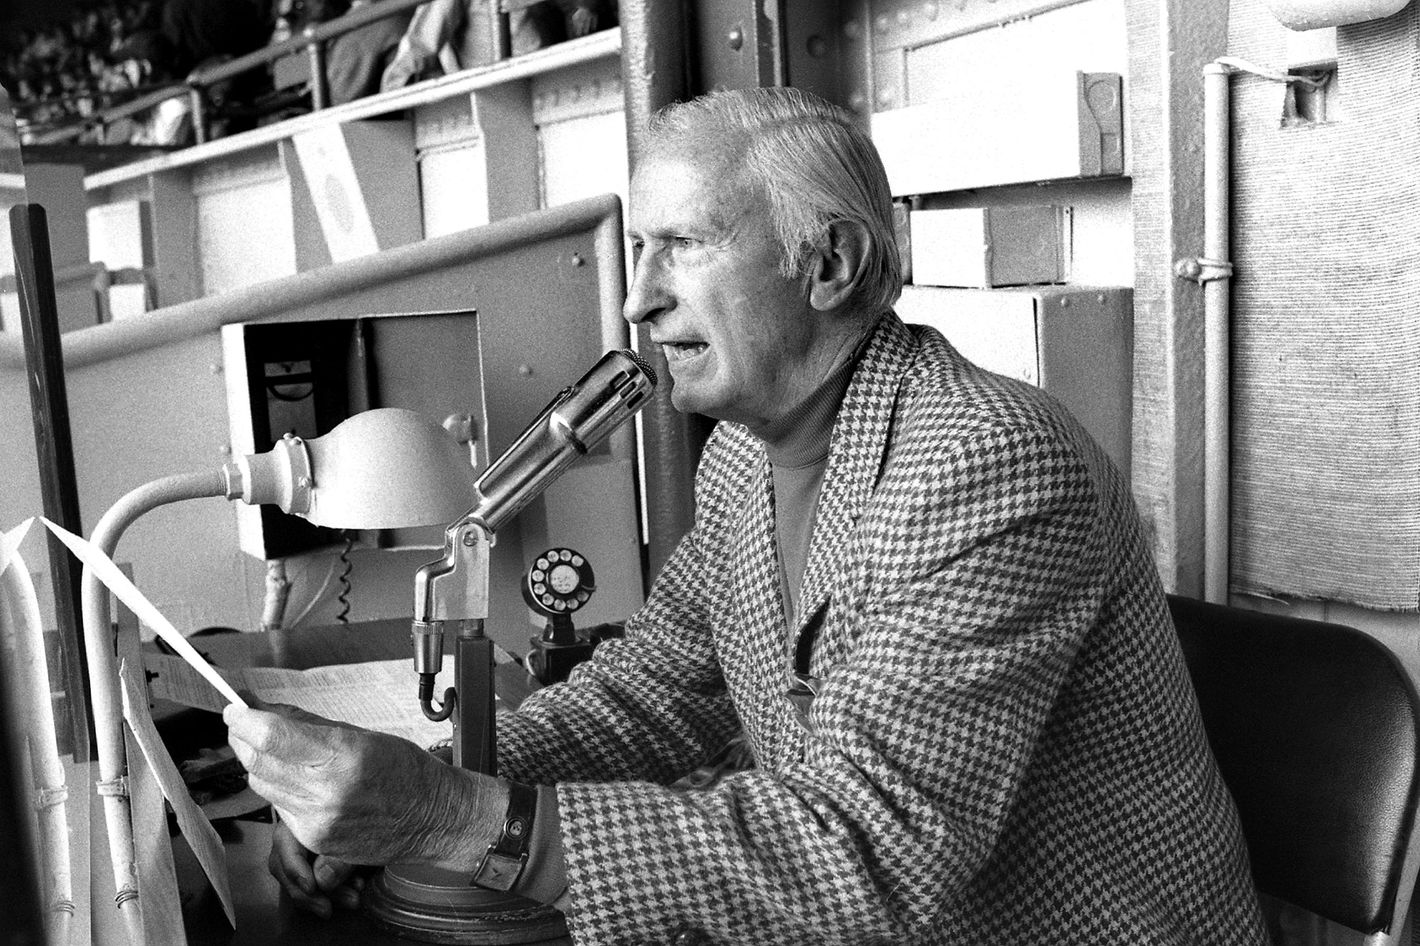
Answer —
439 906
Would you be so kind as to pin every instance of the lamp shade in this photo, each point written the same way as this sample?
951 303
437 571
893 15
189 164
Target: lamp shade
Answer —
381 469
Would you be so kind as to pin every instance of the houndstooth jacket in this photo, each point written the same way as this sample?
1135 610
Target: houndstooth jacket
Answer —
1005 748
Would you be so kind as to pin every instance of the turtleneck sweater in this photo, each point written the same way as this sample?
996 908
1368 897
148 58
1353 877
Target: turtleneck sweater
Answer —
797 445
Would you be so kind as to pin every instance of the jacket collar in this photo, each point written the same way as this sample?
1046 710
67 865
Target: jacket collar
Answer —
857 450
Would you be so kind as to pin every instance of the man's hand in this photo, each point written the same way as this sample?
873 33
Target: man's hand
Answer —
360 797
313 882
411 63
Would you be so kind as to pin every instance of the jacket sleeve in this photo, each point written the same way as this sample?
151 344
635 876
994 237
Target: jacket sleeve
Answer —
981 568
650 706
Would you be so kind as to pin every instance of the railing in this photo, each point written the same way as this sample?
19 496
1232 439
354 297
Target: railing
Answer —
311 42
111 340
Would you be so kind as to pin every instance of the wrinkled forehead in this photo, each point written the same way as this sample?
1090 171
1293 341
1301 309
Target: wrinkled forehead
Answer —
696 177
680 196
713 150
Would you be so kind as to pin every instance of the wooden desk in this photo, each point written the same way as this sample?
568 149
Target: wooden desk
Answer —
265 916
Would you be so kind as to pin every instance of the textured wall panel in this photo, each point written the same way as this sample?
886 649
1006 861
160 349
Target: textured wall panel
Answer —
1326 363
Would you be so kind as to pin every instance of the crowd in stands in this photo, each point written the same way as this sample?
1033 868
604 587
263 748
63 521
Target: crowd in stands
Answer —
112 51
75 68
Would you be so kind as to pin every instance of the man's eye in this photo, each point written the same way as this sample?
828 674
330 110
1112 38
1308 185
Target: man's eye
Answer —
684 243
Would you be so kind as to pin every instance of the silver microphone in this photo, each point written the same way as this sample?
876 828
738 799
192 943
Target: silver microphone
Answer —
579 417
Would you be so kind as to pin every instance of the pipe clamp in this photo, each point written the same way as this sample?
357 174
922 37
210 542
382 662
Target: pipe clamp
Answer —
1201 269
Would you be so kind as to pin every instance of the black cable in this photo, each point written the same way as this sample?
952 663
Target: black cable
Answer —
344 597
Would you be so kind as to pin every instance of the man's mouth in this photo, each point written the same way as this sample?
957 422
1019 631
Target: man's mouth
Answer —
680 351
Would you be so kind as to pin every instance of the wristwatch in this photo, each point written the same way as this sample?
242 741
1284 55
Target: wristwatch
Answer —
506 857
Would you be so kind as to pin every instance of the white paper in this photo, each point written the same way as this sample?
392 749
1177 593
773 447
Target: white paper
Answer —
198 831
159 899
381 695
10 542
128 593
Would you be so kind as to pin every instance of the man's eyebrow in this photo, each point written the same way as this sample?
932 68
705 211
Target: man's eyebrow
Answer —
710 227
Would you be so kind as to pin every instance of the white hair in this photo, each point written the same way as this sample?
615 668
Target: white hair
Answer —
813 165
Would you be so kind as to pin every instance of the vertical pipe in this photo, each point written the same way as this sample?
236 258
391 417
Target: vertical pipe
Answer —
199 114
278 592
24 922
475 736
1217 345
315 55
655 71
29 686
500 30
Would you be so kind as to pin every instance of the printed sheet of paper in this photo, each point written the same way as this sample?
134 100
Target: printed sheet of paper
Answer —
379 695
198 831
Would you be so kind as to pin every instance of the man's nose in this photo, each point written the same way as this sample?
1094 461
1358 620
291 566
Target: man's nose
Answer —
649 294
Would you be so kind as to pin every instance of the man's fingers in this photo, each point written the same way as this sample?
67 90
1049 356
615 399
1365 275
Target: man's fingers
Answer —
290 864
319 904
331 872
284 736
258 729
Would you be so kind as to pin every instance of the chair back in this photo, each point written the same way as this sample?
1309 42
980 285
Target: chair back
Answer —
1314 727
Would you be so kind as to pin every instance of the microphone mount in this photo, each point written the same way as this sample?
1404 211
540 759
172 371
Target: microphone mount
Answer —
454 589
428 903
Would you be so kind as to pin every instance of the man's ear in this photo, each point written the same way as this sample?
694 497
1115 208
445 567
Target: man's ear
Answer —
837 265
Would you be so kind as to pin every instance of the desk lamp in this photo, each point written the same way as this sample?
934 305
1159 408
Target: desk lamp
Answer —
380 469
389 468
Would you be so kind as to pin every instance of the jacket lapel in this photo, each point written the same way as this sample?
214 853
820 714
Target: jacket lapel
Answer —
758 580
856 452
752 641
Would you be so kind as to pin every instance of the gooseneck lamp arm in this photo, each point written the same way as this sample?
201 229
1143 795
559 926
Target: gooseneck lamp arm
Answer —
99 646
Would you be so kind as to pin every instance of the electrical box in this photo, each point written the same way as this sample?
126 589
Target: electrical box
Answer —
985 247
1075 342
305 377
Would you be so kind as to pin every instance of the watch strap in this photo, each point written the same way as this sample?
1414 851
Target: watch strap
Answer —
506 857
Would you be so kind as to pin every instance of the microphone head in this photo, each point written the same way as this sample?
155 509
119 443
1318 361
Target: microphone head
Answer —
643 364
605 398
581 416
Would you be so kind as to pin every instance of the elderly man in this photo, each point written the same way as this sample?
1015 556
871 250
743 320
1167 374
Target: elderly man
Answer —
919 589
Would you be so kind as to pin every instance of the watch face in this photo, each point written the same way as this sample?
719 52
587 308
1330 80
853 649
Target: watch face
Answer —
563 578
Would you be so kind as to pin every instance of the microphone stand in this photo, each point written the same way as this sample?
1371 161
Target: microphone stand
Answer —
430 903
443 906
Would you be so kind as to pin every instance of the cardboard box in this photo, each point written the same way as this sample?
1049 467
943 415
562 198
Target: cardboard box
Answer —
1075 342
982 248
